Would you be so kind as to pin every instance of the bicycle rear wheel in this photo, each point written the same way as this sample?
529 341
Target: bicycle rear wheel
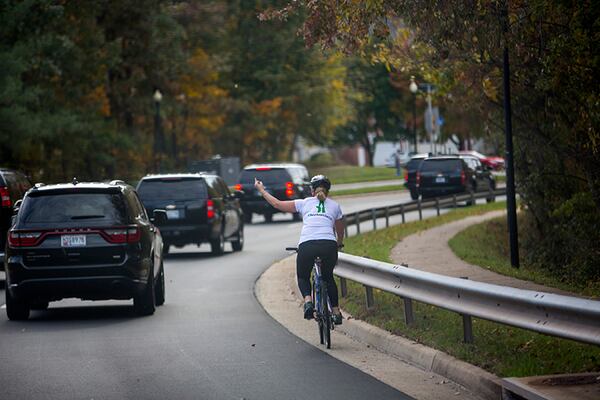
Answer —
326 318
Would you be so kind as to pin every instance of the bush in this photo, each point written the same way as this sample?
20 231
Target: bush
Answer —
568 246
320 160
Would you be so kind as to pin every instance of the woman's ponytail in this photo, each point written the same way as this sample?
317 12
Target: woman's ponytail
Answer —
321 193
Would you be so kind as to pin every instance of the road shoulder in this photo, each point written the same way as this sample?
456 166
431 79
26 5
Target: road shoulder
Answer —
400 363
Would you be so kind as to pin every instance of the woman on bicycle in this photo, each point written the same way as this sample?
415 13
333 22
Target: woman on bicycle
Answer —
322 234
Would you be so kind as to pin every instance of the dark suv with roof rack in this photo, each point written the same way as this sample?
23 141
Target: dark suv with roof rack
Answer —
200 208
92 241
285 181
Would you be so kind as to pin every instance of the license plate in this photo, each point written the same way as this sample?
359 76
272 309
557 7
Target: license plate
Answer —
440 179
173 214
73 240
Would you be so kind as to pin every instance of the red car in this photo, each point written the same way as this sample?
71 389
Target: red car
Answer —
493 162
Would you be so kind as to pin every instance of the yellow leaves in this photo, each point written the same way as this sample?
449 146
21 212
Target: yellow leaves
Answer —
268 107
490 88
98 99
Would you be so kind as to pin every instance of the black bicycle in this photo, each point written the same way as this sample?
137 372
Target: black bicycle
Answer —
323 314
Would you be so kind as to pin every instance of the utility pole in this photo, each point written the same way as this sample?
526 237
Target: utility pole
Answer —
511 203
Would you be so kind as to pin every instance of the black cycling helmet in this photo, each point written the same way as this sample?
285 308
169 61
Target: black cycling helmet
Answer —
320 181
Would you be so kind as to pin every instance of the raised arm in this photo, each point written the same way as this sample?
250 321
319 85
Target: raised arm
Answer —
285 206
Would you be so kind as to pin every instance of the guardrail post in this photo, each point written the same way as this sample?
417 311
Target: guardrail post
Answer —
402 212
467 324
420 210
345 228
343 287
357 221
374 217
387 217
467 328
437 205
472 198
453 201
370 299
409 318
492 196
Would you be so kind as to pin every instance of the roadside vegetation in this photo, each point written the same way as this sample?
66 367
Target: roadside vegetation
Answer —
352 174
502 350
486 245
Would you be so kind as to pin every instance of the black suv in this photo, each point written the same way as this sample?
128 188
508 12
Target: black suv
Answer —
284 181
13 185
200 208
444 175
92 241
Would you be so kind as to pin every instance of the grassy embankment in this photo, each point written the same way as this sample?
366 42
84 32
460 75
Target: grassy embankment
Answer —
351 174
500 349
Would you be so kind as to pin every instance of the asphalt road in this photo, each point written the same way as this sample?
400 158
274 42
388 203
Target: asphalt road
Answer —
211 339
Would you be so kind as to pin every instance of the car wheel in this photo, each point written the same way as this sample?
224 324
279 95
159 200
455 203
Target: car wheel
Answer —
268 217
217 246
159 288
296 217
414 194
39 305
145 303
490 199
238 243
248 218
16 310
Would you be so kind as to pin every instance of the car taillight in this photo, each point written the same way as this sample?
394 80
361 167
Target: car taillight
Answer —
463 177
5 197
418 178
405 176
210 209
238 187
122 235
289 189
23 239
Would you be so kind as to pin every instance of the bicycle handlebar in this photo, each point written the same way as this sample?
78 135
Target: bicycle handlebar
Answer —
291 248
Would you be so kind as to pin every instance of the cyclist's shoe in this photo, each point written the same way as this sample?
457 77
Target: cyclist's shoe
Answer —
309 310
337 319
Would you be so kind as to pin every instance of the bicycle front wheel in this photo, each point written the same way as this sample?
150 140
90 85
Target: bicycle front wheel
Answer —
326 318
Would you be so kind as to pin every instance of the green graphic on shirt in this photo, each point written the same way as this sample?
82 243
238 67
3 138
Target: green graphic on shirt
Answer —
321 207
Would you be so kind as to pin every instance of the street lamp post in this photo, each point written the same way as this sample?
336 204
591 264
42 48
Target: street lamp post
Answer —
157 97
413 89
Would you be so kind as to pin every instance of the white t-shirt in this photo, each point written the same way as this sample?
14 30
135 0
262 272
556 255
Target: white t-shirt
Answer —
319 219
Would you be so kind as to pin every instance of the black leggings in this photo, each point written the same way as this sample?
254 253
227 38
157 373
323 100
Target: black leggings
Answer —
328 252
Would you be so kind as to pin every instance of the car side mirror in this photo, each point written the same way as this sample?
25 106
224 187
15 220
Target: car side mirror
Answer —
159 217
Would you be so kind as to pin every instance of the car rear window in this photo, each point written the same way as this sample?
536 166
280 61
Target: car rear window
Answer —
414 164
270 176
68 208
172 189
441 165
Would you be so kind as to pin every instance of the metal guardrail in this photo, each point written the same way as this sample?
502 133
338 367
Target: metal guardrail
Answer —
551 314
373 214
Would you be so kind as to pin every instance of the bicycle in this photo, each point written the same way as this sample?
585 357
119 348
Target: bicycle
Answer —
323 310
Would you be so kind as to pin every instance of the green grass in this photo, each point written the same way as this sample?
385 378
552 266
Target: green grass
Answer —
486 245
376 189
500 349
351 174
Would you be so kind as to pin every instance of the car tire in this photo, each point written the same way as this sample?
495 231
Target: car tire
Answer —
159 288
238 243
296 217
39 305
268 217
16 310
217 246
145 302
248 218
414 194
